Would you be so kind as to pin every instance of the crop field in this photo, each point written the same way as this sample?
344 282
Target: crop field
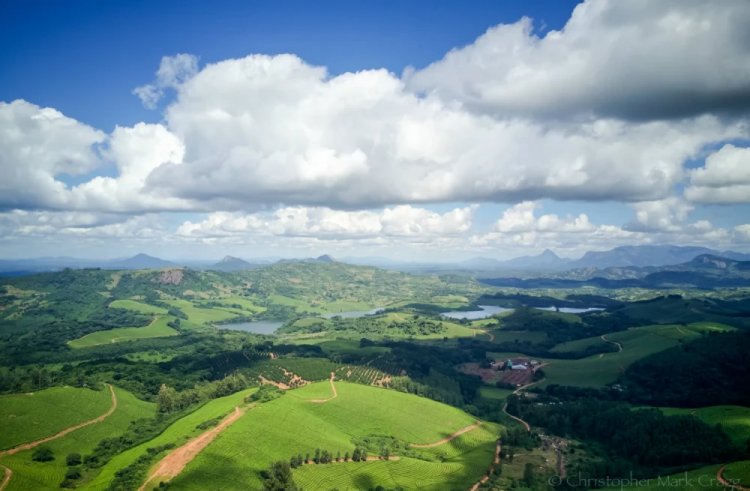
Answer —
502 336
734 419
158 328
177 433
35 476
28 417
293 424
494 393
136 306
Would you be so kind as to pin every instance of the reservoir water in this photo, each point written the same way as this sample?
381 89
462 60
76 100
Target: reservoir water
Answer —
487 311
257 327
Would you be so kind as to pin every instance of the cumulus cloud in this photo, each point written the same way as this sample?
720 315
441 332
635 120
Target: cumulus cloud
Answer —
633 60
39 145
173 70
325 223
725 178
271 130
662 215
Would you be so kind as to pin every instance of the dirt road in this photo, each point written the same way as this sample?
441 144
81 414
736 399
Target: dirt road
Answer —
720 477
516 392
604 338
70 429
8 473
448 438
174 462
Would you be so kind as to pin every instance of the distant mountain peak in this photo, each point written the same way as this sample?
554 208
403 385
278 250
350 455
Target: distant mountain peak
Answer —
549 253
231 263
325 258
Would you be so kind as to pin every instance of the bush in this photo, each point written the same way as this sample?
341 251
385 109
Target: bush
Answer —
73 459
73 473
43 454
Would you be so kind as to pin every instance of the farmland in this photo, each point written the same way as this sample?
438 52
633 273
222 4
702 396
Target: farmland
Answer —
234 460
734 419
158 328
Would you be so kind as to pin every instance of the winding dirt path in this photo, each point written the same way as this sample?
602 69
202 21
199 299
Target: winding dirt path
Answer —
516 392
8 474
176 460
70 429
333 389
720 477
495 461
604 338
448 438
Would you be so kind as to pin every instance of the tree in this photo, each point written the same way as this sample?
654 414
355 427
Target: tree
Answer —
43 454
166 400
529 475
73 459
279 477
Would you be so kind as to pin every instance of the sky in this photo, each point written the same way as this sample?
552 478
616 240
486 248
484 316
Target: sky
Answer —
420 130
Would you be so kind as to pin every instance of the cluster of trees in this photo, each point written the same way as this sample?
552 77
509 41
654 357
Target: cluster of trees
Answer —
278 477
132 476
326 457
644 440
709 371
169 400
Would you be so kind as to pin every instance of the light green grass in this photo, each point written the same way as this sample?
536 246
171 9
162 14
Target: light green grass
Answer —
177 433
734 419
292 424
243 302
158 328
29 417
345 306
37 476
141 307
200 315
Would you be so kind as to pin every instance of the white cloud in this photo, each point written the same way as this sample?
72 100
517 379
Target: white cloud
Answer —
663 215
136 152
324 223
725 178
634 59
173 71
273 130
38 145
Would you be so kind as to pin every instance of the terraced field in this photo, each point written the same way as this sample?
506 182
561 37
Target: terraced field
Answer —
700 479
158 328
293 424
36 476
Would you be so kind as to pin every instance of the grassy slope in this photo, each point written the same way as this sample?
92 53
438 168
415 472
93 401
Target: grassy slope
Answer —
140 307
597 371
199 315
158 328
695 480
177 433
734 419
292 424
34 476
29 417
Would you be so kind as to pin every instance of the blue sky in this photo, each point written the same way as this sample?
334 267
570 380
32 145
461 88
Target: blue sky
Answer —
422 129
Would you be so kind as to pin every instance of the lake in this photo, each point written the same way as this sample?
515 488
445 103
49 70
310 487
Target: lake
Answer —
487 311
352 314
257 327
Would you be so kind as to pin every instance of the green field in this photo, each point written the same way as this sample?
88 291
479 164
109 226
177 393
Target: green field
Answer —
244 303
158 328
494 393
140 307
199 315
734 419
599 370
695 480
292 424
177 433
34 476
29 417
